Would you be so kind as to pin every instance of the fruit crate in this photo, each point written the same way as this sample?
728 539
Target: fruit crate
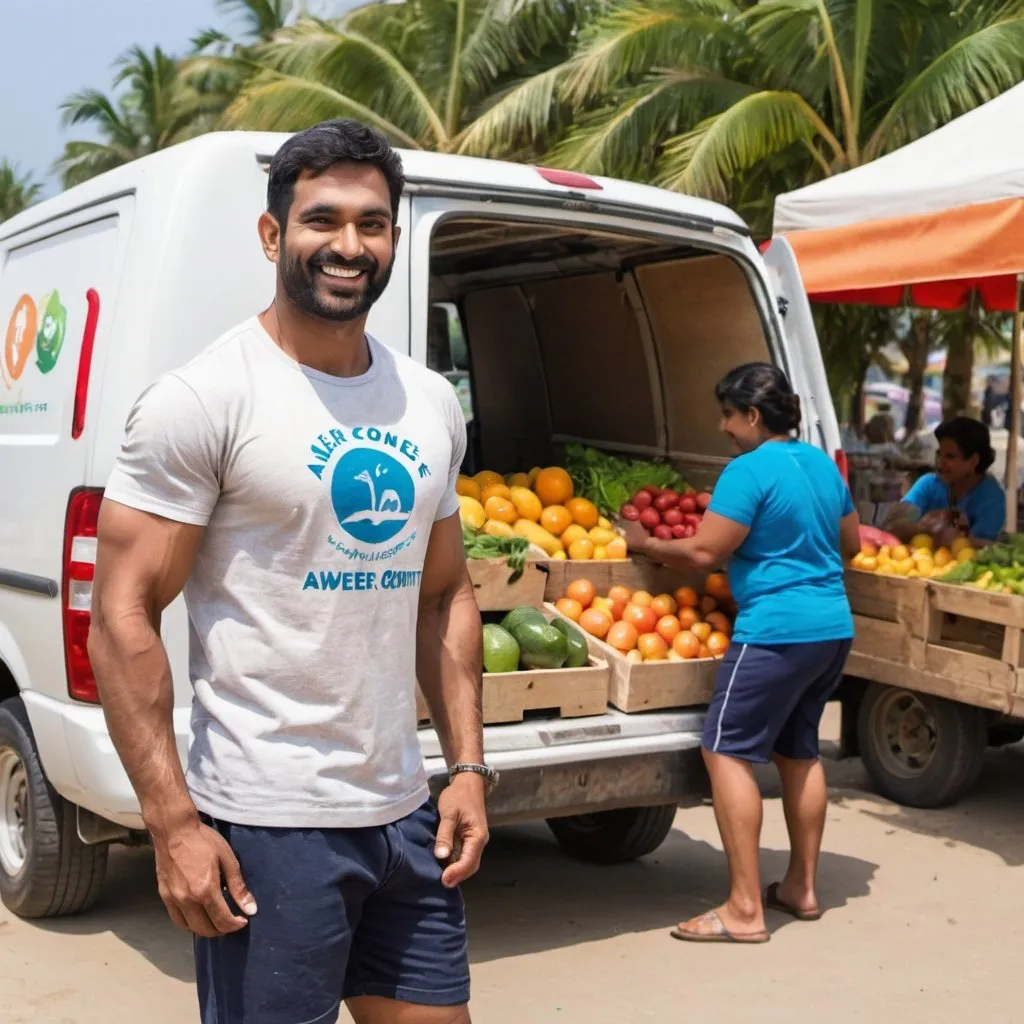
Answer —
636 573
569 692
653 686
494 592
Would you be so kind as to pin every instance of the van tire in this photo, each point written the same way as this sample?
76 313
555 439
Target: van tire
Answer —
614 837
920 750
60 874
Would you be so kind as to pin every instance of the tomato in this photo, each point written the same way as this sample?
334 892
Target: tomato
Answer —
686 645
623 636
663 604
708 604
620 593
644 619
719 621
701 630
717 585
652 647
569 608
688 617
667 628
596 622
687 597
641 597
583 591
718 644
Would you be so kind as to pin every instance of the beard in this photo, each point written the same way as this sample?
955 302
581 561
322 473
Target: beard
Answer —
309 289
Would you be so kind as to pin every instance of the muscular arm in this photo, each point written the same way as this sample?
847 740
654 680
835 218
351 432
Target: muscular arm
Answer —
142 564
449 646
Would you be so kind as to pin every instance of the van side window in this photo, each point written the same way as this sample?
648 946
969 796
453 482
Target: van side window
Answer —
448 352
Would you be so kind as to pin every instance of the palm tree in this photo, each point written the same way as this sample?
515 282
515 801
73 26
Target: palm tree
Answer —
17 191
420 71
697 93
158 109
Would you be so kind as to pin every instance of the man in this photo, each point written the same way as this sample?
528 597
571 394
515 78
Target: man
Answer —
297 479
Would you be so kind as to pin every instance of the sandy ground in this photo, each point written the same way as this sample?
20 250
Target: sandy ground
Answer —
924 923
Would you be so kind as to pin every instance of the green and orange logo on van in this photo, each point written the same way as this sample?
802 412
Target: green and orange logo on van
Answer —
41 327
52 329
20 337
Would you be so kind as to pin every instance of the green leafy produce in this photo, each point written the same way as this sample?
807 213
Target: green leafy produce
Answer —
501 650
579 654
609 482
483 545
541 645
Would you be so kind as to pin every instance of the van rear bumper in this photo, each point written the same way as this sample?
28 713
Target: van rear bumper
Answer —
562 781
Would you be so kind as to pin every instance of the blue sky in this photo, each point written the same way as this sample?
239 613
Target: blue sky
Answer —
51 48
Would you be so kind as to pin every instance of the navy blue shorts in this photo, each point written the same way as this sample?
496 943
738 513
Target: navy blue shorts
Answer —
770 699
341 913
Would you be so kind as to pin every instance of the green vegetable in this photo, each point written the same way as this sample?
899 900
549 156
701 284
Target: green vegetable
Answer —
483 545
520 615
610 482
541 645
579 654
501 651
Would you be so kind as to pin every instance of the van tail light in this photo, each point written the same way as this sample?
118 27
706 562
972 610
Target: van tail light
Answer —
76 590
92 319
843 465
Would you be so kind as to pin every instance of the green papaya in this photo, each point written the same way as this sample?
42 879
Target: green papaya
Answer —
541 645
579 654
501 650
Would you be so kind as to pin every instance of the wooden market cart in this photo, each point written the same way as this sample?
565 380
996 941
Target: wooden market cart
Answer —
935 677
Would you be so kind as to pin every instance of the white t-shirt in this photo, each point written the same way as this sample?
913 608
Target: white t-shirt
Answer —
318 494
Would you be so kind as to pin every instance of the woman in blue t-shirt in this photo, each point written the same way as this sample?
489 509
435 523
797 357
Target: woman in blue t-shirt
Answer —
961 499
783 519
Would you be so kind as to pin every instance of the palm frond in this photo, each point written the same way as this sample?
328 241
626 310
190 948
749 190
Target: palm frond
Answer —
984 63
18 191
705 160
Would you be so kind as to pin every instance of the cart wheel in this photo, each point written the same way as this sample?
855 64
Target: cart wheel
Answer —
613 837
920 750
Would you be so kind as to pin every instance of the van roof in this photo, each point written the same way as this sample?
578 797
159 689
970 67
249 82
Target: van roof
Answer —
422 168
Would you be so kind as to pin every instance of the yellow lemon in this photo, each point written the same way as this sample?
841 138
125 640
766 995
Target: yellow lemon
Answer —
582 549
602 537
494 491
600 553
573 533
868 564
921 554
857 560
617 548
467 487
496 528
899 553
559 556
966 554
603 523
471 512
923 540
886 569
527 503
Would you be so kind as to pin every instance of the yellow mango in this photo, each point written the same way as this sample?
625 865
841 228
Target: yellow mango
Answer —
602 537
537 535
467 487
527 503
496 528
518 480
923 541
471 512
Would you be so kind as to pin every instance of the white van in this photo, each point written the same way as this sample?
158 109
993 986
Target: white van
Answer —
564 308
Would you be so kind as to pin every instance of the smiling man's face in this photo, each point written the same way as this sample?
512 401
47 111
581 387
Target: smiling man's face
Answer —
337 250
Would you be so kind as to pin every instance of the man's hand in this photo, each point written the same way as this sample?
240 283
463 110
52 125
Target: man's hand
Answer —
190 863
462 833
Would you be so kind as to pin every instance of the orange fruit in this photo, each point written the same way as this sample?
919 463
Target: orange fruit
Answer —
467 487
486 478
620 593
701 630
553 486
617 548
583 591
573 532
687 597
623 636
618 607
582 549
603 603
556 519
569 608
583 512
501 509
719 621
718 644
664 605
688 617
717 585
686 645
705 651
642 598
643 618
667 628
518 479
652 647
527 503
708 604
596 622
494 491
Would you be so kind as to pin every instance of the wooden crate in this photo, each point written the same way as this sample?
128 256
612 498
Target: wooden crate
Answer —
653 685
571 692
494 593
950 641
881 597
635 573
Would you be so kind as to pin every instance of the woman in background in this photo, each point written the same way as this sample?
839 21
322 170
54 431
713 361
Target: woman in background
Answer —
960 499
782 517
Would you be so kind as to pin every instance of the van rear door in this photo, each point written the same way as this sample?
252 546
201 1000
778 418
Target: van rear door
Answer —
57 291
807 365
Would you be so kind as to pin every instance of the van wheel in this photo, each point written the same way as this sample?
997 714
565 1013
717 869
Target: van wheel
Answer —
920 750
613 837
45 869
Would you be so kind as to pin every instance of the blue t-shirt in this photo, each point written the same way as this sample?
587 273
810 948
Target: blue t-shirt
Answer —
787 576
985 506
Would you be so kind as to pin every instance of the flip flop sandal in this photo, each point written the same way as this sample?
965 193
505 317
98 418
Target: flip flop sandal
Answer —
719 933
772 901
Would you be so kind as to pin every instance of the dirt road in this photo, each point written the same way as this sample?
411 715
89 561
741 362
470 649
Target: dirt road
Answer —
923 924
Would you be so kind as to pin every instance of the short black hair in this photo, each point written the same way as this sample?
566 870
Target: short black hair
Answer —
341 141
764 387
971 437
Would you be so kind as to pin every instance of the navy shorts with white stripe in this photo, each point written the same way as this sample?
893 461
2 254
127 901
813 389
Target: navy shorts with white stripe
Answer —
770 699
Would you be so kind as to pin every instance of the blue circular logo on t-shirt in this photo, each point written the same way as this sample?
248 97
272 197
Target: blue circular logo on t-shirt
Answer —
373 495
